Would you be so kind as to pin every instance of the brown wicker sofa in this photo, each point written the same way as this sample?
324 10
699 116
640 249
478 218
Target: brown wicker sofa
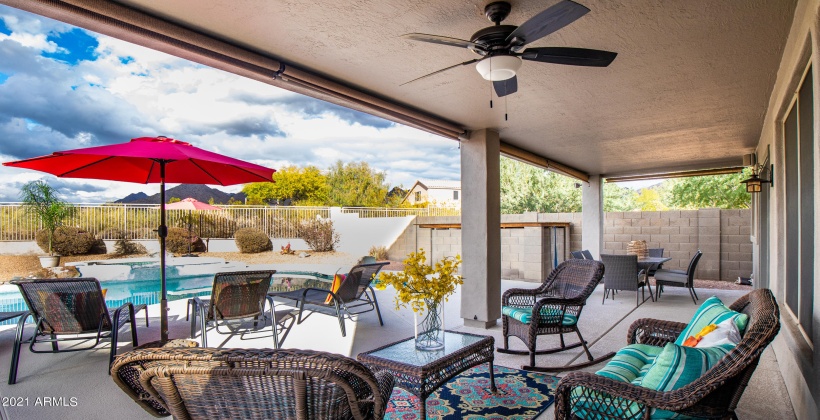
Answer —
714 395
209 383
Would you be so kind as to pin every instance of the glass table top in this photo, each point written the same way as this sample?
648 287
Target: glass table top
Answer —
405 351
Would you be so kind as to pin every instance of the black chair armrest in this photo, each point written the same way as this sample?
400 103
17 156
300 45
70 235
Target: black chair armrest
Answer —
120 311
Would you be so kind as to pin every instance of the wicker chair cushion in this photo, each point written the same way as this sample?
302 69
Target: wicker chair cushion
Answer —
677 366
524 315
631 363
712 311
677 276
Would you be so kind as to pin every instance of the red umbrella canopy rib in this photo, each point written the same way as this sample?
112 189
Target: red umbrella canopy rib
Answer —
138 161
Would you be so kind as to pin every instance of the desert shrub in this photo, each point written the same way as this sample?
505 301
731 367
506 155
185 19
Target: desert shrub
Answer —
319 234
252 241
378 252
178 239
67 240
98 248
125 246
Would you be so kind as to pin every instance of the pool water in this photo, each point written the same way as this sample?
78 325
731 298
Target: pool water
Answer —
144 287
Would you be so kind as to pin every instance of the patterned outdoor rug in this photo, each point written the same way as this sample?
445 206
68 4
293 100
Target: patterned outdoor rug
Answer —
521 395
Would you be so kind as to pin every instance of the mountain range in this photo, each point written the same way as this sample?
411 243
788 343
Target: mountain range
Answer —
201 193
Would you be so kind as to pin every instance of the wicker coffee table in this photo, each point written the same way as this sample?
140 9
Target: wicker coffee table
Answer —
422 372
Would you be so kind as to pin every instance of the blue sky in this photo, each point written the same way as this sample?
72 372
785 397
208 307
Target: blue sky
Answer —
62 87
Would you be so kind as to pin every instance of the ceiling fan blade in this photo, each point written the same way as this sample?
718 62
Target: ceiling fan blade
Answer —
442 40
506 87
442 70
569 56
549 21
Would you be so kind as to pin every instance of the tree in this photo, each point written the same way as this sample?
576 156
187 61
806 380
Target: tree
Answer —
41 199
527 188
720 191
649 199
356 184
617 198
174 200
302 186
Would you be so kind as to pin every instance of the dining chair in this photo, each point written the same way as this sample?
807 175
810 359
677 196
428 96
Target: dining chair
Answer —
679 278
654 253
621 273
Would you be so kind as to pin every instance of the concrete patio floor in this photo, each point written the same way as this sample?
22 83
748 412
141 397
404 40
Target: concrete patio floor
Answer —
83 376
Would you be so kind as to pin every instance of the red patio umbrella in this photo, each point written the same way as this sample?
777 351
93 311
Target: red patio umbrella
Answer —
150 160
191 204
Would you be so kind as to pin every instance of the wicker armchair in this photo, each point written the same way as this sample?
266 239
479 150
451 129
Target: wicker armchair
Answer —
237 296
713 395
351 298
68 310
553 308
207 383
622 274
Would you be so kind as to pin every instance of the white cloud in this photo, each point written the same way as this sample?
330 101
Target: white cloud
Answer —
130 91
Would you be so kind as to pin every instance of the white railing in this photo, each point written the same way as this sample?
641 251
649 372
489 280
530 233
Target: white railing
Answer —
369 212
140 220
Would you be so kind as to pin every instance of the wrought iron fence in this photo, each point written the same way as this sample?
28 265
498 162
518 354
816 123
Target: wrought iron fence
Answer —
138 221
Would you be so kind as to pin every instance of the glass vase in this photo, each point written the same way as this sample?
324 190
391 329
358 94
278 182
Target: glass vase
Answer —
430 326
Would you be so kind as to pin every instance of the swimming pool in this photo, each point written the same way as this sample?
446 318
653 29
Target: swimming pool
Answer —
140 282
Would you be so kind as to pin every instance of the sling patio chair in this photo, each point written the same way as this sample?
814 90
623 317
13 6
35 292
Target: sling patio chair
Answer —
587 255
68 310
622 274
551 309
238 296
350 297
678 278
207 383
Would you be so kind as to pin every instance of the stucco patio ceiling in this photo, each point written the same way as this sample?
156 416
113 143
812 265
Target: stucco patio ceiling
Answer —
688 89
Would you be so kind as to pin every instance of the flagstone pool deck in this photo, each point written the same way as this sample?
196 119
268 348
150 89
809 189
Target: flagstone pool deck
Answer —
83 376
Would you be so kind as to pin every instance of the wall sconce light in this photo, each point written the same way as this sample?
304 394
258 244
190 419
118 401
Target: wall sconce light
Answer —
755 183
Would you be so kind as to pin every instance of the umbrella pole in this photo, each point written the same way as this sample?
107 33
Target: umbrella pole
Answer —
163 233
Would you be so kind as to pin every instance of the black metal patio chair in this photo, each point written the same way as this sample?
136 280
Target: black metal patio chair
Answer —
69 310
551 309
351 297
235 298
587 255
578 255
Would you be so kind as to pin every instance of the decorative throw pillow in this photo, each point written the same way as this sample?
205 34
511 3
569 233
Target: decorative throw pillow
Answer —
678 366
334 287
725 333
713 311
693 340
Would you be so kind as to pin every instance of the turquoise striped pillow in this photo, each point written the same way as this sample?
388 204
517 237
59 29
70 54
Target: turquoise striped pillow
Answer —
678 366
630 363
713 311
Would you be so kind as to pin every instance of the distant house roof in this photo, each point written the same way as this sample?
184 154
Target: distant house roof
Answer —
438 184
433 185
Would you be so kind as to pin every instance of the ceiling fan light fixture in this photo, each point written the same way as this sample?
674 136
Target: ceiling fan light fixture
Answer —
500 67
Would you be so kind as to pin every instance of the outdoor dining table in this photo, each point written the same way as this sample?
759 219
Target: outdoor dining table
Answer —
648 263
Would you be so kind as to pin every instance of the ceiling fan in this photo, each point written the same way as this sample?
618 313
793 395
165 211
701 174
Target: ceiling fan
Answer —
500 46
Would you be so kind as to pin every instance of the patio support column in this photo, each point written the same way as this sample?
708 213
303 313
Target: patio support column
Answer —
481 229
592 222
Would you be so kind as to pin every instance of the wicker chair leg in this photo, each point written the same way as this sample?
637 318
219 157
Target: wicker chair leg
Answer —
694 292
15 351
692 295
584 344
561 336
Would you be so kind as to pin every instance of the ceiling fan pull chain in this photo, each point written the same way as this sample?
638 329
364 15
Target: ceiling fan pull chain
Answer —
505 108
491 85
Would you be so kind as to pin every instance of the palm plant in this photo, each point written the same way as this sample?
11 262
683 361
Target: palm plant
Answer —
41 199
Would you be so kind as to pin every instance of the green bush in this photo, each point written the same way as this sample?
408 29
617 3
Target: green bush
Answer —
252 241
319 235
178 240
67 241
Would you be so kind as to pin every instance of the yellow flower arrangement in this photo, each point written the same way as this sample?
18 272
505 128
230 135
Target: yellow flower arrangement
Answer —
420 282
